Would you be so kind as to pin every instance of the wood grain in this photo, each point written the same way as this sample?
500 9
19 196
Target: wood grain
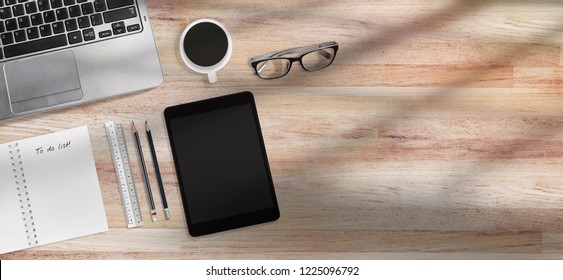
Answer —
436 133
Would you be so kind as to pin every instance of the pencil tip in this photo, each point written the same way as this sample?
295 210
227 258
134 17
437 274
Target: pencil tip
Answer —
147 128
133 128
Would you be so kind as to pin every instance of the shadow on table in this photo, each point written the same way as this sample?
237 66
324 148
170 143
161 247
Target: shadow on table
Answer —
492 153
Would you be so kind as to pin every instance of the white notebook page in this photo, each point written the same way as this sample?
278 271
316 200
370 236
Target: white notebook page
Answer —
63 186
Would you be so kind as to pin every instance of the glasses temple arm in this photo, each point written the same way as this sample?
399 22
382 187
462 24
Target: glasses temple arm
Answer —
326 54
263 66
300 50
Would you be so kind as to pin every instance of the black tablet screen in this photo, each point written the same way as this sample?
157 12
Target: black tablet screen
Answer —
221 163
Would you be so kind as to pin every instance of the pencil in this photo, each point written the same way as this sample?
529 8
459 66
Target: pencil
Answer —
157 171
144 171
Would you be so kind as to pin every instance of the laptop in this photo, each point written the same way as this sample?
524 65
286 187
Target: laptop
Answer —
58 53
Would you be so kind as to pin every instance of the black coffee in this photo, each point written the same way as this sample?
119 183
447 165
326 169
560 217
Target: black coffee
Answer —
205 44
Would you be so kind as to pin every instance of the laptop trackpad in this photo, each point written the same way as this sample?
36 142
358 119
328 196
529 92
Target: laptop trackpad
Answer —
42 81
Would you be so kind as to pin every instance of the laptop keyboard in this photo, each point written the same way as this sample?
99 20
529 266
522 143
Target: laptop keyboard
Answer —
32 26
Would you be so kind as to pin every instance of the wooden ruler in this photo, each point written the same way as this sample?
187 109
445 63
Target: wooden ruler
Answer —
122 165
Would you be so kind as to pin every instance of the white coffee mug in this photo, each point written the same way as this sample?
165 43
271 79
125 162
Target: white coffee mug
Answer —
206 47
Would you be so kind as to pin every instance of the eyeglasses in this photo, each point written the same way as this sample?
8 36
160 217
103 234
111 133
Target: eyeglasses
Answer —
277 64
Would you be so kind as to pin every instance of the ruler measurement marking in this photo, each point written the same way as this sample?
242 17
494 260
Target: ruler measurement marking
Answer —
120 157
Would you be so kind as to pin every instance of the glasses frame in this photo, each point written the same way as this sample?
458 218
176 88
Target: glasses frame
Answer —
300 51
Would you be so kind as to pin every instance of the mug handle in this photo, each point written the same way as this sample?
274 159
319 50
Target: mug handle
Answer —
212 76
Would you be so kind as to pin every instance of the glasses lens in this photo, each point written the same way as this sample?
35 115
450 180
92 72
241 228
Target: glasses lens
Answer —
273 68
318 59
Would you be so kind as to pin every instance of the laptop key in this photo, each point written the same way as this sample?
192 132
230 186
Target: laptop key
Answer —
96 19
62 14
118 25
19 35
134 27
7 38
120 14
87 8
56 3
18 10
32 33
24 22
30 7
71 25
35 46
58 27
11 2
43 5
83 22
49 16
100 5
11 24
75 37
74 11
45 30
5 12
105 33
112 4
36 19
89 34
118 28
118 31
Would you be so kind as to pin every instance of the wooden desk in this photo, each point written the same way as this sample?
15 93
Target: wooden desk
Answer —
436 133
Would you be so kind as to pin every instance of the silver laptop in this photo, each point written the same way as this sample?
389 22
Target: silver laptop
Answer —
56 53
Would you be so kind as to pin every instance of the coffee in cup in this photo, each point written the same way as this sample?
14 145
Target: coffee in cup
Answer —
206 47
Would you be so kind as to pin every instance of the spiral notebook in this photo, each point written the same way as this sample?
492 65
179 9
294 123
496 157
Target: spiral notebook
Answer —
49 190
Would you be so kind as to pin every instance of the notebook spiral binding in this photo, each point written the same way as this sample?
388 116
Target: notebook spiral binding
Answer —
23 194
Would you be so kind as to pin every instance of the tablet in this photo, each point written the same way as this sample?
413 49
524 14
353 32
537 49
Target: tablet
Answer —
221 164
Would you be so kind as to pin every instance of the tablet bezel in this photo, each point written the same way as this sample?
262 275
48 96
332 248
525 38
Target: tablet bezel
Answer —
230 222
